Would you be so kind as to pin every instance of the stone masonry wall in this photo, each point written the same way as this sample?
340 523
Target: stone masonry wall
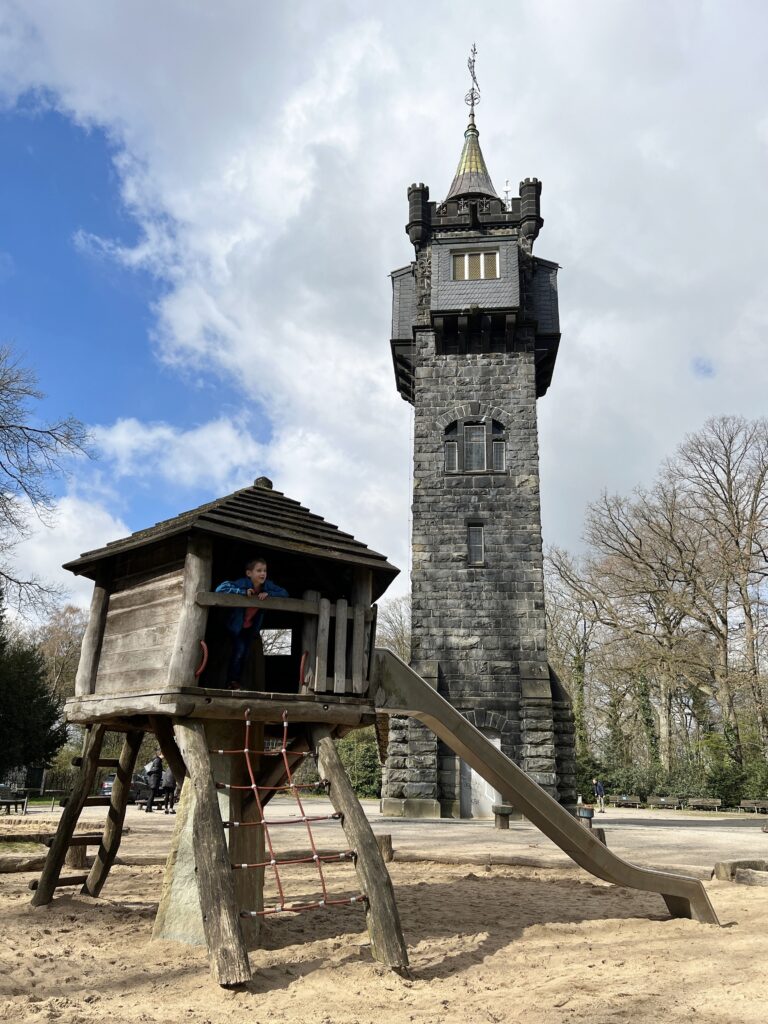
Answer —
484 626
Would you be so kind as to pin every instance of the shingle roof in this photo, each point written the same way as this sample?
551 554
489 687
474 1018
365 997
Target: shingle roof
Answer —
257 515
472 177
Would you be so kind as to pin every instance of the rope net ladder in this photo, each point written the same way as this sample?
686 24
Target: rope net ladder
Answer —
302 818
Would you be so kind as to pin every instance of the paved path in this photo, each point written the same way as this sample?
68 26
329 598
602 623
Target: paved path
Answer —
687 841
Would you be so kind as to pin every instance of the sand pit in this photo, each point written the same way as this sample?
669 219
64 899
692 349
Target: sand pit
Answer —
509 944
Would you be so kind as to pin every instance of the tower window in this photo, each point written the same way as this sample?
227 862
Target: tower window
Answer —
472 447
475 545
475 266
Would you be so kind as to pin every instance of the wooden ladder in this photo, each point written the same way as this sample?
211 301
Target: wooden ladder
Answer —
93 882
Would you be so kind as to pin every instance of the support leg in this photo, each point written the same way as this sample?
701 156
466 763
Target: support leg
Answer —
383 919
113 829
69 817
226 947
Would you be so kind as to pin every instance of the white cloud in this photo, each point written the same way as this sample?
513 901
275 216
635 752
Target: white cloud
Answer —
213 455
265 151
78 525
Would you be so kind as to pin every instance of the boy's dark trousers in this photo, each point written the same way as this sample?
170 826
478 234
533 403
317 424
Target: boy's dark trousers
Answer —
241 643
169 793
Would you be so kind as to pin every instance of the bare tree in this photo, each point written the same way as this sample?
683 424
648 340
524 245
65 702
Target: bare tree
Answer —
724 471
393 626
59 639
31 453
572 625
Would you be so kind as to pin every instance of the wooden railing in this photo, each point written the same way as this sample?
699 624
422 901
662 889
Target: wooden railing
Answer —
352 647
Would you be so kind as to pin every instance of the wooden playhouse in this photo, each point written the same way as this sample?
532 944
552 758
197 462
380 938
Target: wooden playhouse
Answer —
154 660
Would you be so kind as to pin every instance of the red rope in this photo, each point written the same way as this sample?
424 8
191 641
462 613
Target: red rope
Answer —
274 862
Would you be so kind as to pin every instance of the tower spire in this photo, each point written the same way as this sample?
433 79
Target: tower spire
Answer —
472 177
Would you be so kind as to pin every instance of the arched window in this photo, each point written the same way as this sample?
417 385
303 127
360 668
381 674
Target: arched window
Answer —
475 446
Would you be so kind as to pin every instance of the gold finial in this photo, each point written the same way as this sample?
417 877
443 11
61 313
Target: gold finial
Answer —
473 96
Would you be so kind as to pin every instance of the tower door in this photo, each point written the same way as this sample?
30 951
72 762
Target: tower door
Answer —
477 795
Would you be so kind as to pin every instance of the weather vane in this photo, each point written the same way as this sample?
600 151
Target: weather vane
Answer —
473 96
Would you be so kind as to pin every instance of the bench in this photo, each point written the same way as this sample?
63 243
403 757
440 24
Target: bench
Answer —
664 801
704 803
758 806
13 798
633 800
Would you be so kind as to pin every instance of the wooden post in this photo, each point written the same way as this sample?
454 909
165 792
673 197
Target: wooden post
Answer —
246 845
309 641
361 596
340 647
371 641
186 653
75 856
163 730
113 830
87 667
69 817
383 919
321 652
224 938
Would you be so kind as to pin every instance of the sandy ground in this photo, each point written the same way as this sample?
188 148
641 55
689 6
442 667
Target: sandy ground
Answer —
516 935
499 944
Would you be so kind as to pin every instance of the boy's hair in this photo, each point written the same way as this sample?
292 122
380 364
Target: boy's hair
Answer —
255 561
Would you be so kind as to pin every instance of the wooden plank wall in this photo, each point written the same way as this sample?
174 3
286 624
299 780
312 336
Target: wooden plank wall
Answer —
139 635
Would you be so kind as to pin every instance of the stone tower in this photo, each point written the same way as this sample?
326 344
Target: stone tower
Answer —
475 334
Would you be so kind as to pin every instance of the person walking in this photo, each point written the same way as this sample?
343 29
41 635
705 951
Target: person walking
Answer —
599 790
168 786
154 771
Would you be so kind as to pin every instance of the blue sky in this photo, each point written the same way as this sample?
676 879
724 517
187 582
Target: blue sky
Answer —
200 205
82 322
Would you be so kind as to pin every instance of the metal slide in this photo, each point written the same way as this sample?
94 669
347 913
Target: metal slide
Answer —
398 690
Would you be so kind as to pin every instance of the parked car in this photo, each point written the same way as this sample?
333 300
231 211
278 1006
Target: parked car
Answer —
140 788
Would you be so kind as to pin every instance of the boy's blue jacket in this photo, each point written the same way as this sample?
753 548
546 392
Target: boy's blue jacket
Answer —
242 586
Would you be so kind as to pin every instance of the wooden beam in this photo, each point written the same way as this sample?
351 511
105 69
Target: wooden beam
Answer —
87 667
309 641
321 650
387 942
340 648
224 938
113 829
104 762
78 840
362 589
185 656
302 606
36 883
58 850
321 707
163 730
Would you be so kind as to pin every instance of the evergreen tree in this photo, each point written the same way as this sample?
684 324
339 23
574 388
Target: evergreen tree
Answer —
31 725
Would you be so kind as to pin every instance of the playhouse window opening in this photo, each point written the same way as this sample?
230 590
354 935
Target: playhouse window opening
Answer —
276 641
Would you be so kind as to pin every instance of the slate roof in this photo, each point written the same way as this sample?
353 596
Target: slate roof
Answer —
472 177
257 515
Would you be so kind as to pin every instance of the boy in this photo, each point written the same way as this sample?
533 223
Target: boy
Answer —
245 623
